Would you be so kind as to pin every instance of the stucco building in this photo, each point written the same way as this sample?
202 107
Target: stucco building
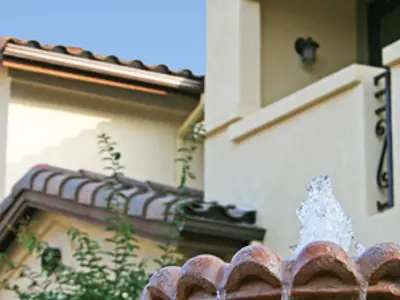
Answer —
276 118
55 101
293 89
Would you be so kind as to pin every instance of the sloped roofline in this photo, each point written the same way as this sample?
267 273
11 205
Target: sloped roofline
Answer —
80 64
82 195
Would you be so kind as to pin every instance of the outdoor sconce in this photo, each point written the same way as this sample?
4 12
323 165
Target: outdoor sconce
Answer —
51 259
307 49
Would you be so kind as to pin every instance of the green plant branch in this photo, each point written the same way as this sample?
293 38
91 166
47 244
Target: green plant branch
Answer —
95 278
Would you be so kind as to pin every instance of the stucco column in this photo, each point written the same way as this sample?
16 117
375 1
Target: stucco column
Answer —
233 61
5 96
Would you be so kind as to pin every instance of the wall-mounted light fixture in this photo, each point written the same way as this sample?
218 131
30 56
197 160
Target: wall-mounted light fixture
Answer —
307 49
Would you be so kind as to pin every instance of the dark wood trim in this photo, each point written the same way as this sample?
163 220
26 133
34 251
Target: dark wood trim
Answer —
78 77
176 104
66 71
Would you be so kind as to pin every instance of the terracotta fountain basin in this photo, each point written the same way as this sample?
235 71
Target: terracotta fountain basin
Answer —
322 270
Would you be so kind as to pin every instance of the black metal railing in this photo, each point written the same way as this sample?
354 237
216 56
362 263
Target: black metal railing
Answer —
383 130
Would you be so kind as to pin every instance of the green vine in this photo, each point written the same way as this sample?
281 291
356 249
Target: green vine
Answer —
116 274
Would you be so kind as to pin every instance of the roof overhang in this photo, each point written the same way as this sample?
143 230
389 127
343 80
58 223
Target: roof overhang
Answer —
207 226
77 68
195 234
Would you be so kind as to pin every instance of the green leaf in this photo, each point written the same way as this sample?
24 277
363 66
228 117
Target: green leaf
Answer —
91 277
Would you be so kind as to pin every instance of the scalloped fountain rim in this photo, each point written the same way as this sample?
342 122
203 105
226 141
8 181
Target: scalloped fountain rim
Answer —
320 269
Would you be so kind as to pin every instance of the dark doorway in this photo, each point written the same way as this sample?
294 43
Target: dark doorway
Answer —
383 27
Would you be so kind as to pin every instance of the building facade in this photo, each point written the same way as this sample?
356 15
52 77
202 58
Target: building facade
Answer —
275 119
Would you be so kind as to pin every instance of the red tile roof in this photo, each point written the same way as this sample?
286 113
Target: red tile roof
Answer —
323 270
112 59
145 199
84 195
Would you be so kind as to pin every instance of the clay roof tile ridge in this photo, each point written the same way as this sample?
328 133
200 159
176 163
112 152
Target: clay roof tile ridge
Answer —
317 260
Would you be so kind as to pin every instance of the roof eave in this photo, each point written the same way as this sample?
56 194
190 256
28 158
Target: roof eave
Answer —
222 236
82 64
15 212
213 228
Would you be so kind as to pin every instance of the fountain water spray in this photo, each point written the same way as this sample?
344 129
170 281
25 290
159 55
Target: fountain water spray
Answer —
322 218
320 270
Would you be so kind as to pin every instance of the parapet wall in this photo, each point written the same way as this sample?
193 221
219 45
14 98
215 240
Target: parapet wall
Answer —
321 270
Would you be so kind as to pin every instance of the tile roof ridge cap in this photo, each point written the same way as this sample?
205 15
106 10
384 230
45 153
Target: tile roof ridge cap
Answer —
171 188
52 168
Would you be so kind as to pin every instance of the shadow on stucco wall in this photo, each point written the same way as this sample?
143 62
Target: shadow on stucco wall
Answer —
46 126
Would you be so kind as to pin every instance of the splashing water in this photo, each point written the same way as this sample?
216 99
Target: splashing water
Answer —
286 290
221 295
322 218
363 290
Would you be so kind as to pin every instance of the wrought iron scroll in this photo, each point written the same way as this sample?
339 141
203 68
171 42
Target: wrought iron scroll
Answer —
383 130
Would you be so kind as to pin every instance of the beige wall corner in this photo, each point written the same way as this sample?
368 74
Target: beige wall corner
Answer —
283 21
233 60
5 94
266 160
391 54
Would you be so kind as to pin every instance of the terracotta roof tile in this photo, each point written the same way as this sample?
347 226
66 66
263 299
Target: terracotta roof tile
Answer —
145 199
112 59
322 269
84 195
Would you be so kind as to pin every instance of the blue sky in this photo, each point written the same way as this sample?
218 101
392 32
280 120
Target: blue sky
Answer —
168 32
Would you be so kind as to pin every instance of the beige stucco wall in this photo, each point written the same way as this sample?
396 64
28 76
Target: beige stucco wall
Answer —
53 229
333 24
5 96
381 225
59 127
263 148
233 61
251 59
266 160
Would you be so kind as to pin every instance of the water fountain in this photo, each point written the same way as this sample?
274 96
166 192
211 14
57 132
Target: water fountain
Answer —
321 269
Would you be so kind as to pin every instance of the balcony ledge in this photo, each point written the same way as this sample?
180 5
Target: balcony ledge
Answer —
391 54
301 100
